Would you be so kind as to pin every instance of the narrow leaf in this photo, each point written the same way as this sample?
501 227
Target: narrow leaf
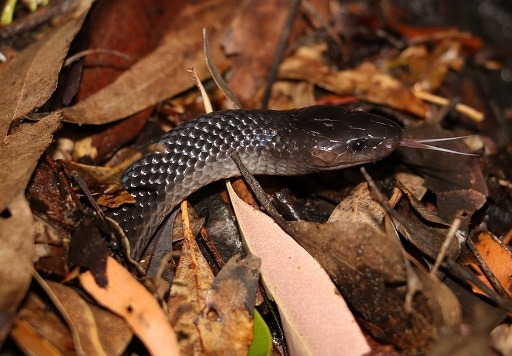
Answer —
316 319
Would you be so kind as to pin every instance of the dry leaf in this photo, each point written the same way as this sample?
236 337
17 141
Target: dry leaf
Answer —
226 322
30 341
115 335
129 299
457 181
39 327
40 315
81 318
16 256
315 318
359 206
368 268
161 74
31 77
125 44
431 71
252 47
19 154
366 81
424 229
501 339
192 280
412 182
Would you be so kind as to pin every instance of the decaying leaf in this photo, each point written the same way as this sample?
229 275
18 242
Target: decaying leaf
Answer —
19 154
88 249
424 229
105 181
226 322
113 24
359 206
369 270
99 330
192 280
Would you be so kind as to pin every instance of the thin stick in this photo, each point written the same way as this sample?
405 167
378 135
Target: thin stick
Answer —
217 77
258 191
207 103
88 52
446 244
279 53
470 112
485 268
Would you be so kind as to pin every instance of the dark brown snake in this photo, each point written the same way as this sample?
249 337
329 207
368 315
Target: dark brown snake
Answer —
291 142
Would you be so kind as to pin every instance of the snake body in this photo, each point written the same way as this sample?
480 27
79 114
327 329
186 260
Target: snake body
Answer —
268 142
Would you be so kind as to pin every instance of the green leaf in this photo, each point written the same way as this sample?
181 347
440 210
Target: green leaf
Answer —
262 340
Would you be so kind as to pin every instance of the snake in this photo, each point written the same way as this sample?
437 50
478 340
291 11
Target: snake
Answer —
268 142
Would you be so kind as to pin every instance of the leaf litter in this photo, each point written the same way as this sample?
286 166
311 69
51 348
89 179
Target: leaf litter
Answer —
194 303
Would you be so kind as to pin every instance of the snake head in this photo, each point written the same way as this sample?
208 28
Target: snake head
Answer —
340 138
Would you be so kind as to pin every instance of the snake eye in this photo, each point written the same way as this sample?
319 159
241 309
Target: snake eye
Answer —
357 145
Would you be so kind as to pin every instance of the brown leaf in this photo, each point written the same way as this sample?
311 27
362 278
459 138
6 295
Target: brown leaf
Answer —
226 322
16 255
98 330
80 317
192 280
424 229
429 72
359 206
132 29
31 77
115 334
161 74
366 81
457 181
51 196
501 339
57 211
125 27
88 249
252 47
40 315
369 270
19 154
422 210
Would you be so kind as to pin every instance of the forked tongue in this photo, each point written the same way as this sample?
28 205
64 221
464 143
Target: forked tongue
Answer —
421 144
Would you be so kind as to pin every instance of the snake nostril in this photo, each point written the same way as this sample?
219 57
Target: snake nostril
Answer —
389 143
